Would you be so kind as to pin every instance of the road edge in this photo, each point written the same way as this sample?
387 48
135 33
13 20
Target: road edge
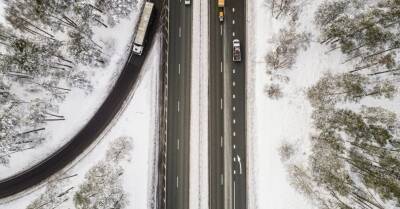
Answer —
250 111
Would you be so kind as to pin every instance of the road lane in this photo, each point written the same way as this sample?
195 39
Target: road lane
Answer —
178 115
236 28
216 111
227 121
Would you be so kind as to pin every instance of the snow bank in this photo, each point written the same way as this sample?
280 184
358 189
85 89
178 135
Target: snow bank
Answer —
138 121
199 108
2 11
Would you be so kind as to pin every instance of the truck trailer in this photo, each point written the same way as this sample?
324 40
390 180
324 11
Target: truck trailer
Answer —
221 5
142 28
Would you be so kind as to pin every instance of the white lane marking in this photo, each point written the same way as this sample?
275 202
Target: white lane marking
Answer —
233 34
177 145
234 108
233 9
234 159
234 146
221 104
233 22
177 181
240 165
234 194
234 83
180 32
178 105
179 68
234 71
221 66
234 121
234 96
234 134
221 30
222 141
234 171
222 179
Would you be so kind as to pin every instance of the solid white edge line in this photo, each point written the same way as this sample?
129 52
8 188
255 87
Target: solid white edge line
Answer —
234 194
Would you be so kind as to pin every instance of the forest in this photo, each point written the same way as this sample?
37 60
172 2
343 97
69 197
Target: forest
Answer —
354 159
48 49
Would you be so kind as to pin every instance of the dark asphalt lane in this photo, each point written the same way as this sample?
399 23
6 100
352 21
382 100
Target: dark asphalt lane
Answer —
178 110
235 23
229 123
216 111
91 131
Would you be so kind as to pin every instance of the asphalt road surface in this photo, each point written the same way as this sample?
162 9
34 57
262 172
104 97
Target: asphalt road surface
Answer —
235 24
91 131
178 110
227 135
216 110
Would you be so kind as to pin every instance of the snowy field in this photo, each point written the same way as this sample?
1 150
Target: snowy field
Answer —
117 41
270 122
138 121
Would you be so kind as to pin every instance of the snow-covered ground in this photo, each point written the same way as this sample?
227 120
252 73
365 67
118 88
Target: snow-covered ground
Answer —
117 40
138 120
271 122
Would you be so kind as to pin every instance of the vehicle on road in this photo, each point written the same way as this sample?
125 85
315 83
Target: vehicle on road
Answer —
221 5
187 2
144 23
237 56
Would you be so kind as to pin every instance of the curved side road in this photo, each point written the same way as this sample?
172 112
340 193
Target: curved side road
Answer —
91 131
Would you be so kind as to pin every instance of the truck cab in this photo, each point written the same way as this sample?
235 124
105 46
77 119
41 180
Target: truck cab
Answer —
187 2
221 16
237 56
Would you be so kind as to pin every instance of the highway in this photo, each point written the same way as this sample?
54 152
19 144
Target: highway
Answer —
178 105
227 123
80 142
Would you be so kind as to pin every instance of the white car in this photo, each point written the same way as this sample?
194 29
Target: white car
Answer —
187 2
237 56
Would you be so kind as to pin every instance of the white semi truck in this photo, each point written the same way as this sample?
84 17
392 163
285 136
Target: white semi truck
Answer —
144 23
